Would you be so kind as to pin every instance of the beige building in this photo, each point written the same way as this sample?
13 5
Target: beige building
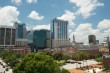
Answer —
21 42
48 45
103 49
60 43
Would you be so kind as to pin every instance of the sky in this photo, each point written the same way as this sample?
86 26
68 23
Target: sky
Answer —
85 17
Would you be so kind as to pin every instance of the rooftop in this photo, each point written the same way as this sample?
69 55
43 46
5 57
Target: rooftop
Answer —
5 26
107 56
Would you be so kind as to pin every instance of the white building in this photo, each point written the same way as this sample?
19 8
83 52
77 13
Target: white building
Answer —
7 36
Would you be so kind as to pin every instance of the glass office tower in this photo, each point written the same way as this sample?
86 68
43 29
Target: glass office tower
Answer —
59 33
41 38
59 29
20 30
21 34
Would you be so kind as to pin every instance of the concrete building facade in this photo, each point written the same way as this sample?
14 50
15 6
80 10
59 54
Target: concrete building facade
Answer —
7 36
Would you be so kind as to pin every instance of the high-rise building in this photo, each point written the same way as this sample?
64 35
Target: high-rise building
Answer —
41 39
21 34
59 33
97 42
7 36
74 42
107 41
92 39
30 40
20 30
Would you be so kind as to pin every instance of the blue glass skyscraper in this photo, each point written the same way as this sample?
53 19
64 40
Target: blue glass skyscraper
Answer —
41 38
21 34
20 30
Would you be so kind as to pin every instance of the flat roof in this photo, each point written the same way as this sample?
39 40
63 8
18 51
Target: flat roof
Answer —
107 56
5 26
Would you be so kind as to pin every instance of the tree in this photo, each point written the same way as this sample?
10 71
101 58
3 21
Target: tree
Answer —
76 56
19 55
4 54
58 56
81 55
99 59
99 55
8 57
64 71
66 57
11 60
107 67
37 63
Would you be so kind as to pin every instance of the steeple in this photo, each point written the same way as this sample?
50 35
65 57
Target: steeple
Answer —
73 39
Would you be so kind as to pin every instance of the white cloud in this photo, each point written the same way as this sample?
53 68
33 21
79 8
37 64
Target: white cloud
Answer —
104 24
70 31
31 1
83 30
35 15
86 7
8 15
84 26
18 2
38 27
104 27
68 15
107 32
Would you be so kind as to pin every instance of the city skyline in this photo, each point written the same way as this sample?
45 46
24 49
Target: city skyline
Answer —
85 16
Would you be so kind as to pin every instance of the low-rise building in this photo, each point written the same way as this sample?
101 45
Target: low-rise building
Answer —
91 49
106 60
103 49
19 50
21 42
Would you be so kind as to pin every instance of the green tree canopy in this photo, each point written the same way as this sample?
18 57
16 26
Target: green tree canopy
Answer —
58 56
81 55
37 63
99 59
64 71
8 57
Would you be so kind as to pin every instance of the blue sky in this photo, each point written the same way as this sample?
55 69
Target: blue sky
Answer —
85 16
